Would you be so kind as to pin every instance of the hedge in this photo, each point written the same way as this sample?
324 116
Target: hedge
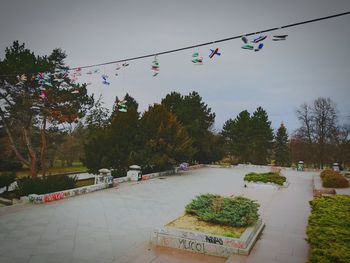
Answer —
236 212
265 178
328 229
44 185
120 172
333 179
6 179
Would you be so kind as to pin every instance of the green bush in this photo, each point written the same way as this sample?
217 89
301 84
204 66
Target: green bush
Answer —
265 178
328 229
7 178
120 172
334 179
46 184
236 212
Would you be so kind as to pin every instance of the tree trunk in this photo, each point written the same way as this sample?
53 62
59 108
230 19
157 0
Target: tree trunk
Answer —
12 143
43 147
32 155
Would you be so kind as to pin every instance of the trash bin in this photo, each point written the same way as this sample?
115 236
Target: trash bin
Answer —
300 166
134 173
336 167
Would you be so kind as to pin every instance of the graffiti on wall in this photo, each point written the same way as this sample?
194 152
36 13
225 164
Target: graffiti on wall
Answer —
64 194
191 245
214 240
53 197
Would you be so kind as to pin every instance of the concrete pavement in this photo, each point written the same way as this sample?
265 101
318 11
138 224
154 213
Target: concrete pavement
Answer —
114 225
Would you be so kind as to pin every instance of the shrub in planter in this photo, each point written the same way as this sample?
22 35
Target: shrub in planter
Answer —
328 230
326 172
334 179
236 212
265 178
46 184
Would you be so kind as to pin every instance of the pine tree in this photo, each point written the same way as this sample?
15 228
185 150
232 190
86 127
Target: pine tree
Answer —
281 147
197 119
237 134
166 141
261 137
113 141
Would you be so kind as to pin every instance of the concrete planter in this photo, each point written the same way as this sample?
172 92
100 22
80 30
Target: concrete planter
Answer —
261 185
199 242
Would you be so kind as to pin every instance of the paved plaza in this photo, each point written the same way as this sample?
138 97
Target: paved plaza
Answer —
115 225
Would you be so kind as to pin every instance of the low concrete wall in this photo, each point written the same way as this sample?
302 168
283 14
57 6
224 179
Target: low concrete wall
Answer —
196 166
44 198
199 242
219 165
121 180
154 175
170 172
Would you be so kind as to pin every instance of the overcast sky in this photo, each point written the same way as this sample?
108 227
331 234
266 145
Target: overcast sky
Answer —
313 62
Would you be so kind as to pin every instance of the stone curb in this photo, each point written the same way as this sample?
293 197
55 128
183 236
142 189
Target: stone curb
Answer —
255 185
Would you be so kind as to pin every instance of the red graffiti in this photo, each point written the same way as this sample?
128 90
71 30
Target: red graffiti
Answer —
145 177
53 197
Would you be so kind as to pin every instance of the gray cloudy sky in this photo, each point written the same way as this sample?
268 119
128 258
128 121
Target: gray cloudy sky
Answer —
313 62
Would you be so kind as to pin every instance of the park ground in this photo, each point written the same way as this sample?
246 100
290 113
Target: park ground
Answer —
115 225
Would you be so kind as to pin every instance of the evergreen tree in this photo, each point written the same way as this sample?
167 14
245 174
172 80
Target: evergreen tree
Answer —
261 137
166 141
237 134
98 116
197 119
281 146
125 139
249 137
114 143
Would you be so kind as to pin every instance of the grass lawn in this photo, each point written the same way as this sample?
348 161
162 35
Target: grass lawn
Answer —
57 169
190 222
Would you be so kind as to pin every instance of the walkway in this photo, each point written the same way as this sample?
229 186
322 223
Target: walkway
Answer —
114 225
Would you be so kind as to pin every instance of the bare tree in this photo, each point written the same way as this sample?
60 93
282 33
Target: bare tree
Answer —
306 131
325 122
319 127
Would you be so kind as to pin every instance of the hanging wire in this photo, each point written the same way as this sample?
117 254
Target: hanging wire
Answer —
202 44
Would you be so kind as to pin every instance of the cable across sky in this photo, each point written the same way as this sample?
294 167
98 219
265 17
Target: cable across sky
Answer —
216 41
204 44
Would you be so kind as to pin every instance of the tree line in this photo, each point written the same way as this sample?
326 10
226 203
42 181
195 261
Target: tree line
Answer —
176 130
36 131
